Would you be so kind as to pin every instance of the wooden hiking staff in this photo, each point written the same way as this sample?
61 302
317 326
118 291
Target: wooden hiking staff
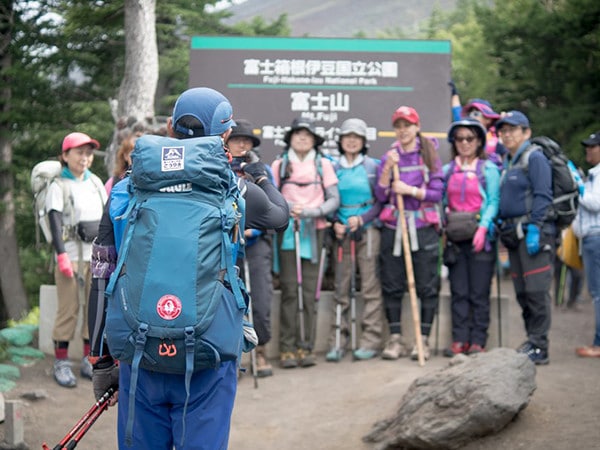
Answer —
410 273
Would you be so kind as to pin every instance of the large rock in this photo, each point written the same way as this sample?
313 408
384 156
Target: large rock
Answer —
472 397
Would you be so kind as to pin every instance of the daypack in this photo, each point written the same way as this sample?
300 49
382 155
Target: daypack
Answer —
42 176
565 192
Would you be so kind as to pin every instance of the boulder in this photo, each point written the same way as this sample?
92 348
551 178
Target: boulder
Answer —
472 397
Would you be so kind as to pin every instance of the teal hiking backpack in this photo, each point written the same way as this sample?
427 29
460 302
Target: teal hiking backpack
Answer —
175 301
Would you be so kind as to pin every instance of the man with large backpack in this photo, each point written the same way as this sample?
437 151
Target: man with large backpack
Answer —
174 303
528 230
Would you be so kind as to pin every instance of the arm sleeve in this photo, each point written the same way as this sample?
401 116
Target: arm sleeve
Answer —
329 206
103 263
266 208
55 219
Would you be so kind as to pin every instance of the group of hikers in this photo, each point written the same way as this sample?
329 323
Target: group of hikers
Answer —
497 187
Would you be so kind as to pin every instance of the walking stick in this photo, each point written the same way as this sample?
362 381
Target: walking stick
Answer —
322 266
561 285
410 274
251 319
353 289
437 309
338 306
83 425
299 280
498 297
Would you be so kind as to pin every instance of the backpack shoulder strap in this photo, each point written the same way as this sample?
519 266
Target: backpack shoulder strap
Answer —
68 202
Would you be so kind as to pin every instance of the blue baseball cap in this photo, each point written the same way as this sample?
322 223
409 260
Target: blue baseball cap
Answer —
210 107
516 118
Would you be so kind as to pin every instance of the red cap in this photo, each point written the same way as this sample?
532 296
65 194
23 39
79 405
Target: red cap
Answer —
407 113
77 140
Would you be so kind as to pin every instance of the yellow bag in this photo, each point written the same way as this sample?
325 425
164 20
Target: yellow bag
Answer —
568 251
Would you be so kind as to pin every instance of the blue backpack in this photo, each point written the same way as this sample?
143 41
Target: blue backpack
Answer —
175 301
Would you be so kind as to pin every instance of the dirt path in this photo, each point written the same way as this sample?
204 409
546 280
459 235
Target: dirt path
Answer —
331 406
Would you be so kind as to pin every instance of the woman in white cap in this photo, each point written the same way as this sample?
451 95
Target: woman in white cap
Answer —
75 202
356 220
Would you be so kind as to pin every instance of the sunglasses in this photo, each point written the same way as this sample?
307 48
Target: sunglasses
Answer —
468 139
475 114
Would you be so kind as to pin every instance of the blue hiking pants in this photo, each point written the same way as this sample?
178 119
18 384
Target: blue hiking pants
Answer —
159 400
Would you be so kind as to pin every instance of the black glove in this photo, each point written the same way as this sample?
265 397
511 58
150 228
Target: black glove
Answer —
105 375
357 235
256 172
452 87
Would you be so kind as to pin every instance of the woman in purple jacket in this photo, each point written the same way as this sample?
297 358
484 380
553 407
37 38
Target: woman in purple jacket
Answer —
421 186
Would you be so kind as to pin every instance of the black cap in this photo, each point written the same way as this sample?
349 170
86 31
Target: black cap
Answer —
300 123
594 139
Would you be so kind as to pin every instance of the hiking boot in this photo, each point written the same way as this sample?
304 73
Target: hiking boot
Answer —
305 358
524 347
288 360
414 355
455 349
474 349
63 374
363 354
86 370
263 368
537 355
334 355
394 348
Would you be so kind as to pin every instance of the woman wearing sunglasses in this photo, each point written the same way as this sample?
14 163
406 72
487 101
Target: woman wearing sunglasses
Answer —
471 199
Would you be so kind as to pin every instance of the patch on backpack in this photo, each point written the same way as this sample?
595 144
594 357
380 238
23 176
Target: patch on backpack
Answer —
168 307
172 159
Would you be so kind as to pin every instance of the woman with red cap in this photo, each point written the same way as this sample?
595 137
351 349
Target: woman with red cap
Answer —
421 186
75 202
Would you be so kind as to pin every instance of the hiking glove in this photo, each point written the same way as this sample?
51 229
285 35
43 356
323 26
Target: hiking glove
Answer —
64 265
532 240
250 337
453 89
104 376
256 172
479 239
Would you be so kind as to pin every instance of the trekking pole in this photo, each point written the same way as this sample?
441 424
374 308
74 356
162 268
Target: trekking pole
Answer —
338 306
322 266
499 298
353 290
299 281
253 367
410 274
82 426
437 309
561 285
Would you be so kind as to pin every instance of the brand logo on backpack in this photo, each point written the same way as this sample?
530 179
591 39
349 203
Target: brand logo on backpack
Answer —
168 307
172 159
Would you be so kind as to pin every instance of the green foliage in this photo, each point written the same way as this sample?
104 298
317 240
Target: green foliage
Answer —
67 63
541 57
